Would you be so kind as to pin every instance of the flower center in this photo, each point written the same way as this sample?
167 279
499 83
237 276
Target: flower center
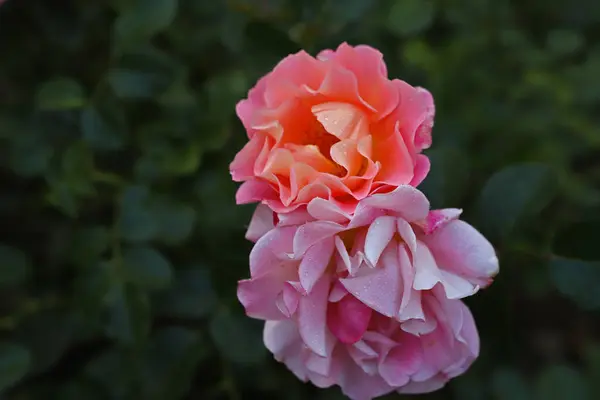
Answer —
316 135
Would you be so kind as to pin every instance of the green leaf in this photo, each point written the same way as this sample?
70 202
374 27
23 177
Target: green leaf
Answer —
99 131
14 364
143 73
47 334
238 338
410 17
171 145
89 244
192 295
163 159
578 280
73 181
508 384
564 42
93 288
76 390
111 371
560 382
231 31
578 240
129 316
420 54
29 155
220 94
340 13
14 265
144 19
134 84
77 165
512 194
171 362
103 122
60 94
470 387
137 222
258 33
178 94
536 280
447 179
147 268
61 196
592 358
224 90
216 190
349 11
121 6
183 160
176 221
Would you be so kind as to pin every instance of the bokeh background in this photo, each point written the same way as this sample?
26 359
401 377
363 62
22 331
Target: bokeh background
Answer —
121 245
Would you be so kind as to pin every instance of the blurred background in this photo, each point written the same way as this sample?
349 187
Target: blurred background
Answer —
121 245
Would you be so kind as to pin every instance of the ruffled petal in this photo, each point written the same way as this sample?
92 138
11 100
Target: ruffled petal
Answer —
262 222
271 251
311 233
461 249
379 288
380 232
315 261
428 275
348 319
408 202
259 297
439 218
312 319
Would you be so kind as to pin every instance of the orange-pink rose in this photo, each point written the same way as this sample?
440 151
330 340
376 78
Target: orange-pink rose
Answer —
334 127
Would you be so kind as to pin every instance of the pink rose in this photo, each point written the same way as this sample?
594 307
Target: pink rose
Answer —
387 358
333 127
388 255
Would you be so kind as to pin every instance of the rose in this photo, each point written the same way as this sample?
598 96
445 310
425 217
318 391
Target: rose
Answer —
388 254
333 127
387 358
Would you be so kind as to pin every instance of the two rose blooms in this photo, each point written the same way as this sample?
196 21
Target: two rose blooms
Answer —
359 282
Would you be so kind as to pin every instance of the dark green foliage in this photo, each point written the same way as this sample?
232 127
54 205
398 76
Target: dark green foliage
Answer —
121 243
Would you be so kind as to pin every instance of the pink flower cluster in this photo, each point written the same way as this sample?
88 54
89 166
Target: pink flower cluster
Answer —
359 282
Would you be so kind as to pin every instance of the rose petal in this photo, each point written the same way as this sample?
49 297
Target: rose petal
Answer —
262 221
338 292
407 234
439 218
271 251
315 261
342 120
402 361
379 288
253 191
380 232
280 335
242 166
287 301
408 202
312 317
345 263
428 386
348 319
325 210
259 297
461 249
422 166
311 233
427 273
410 305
